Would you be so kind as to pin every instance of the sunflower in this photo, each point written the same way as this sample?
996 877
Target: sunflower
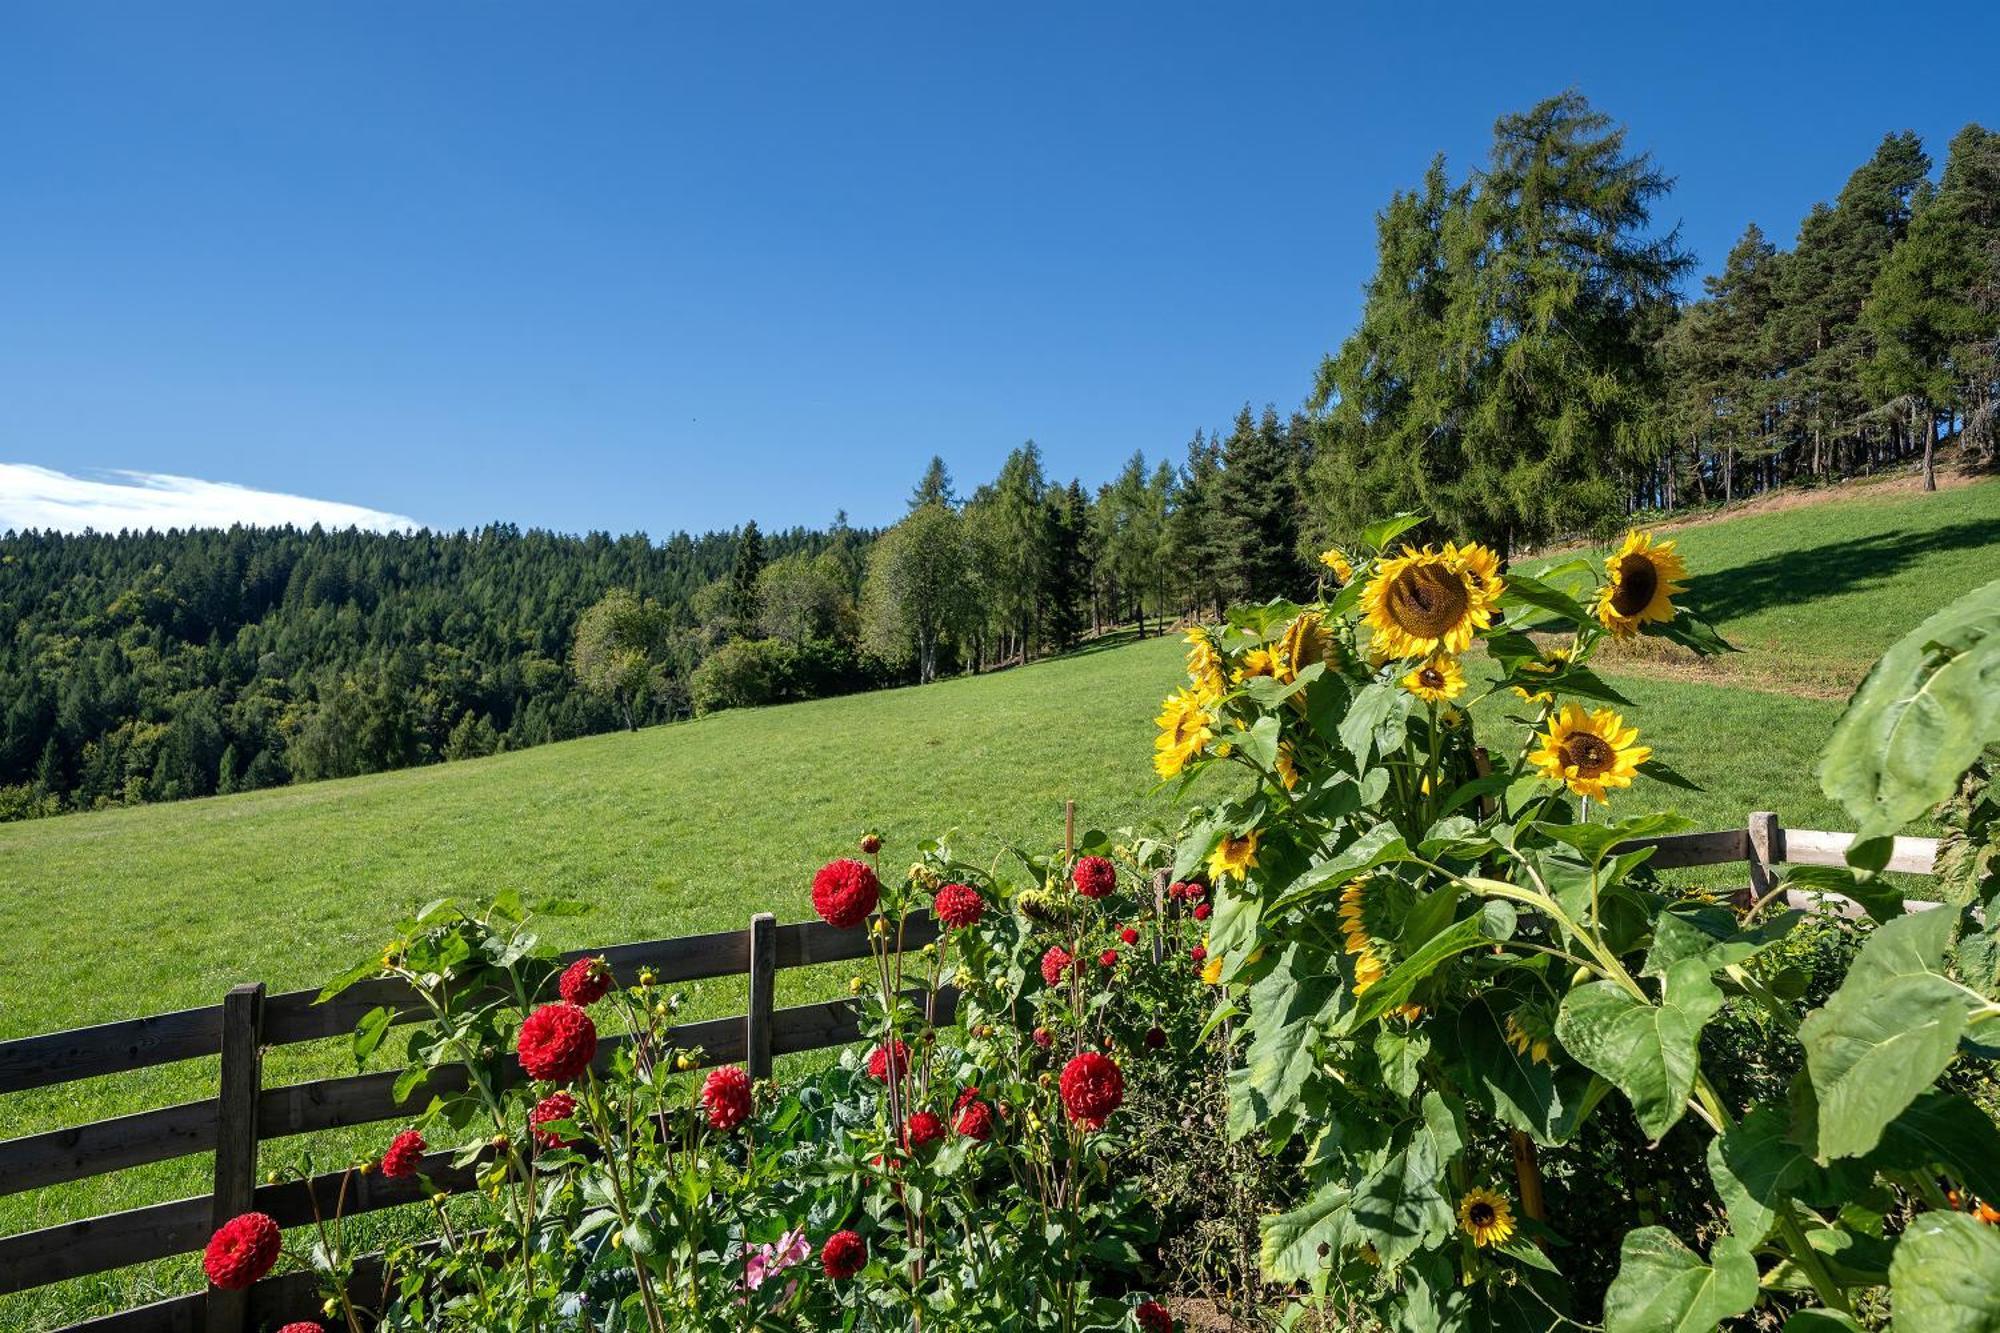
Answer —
1288 765
1485 1216
1589 753
1204 666
1529 1033
1369 966
1437 680
1233 856
1642 584
1303 643
1256 662
1186 726
1478 563
1425 601
1211 971
1550 662
1336 560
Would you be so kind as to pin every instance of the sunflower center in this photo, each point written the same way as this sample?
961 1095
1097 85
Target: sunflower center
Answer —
1428 601
1481 1214
1586 753
1431 678
1638 580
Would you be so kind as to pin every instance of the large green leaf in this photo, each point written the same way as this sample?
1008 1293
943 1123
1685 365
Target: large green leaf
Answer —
1285 1009
1821 1321
1944 1129
1664 1287
1492 922
1886 1034
1297 1245
1945 1277
1920 718
1399 1205
1522 1092
1648 1051
1755 1166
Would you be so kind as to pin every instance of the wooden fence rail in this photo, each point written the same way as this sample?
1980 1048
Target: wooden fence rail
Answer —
244 1113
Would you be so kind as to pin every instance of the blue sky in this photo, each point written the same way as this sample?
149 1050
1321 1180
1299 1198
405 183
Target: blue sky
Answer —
651 266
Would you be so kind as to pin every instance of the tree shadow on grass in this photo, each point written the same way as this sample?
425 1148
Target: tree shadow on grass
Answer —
1828 570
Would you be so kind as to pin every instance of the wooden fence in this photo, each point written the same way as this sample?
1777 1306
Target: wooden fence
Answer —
245 1113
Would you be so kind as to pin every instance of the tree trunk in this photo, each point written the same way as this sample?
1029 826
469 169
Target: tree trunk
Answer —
1929 427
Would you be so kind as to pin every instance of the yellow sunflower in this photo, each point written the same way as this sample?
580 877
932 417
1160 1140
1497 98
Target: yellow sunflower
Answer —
1438 680
1546 665
1288 765
1186 726
1589 752
1529 1033
1369 966
1211 971
1485 1216
1336 560
1479 563
1303 643
1641 586
1204 666
1256 662
1233 857
1424 601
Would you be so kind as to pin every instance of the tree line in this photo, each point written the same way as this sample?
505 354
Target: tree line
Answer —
1525 369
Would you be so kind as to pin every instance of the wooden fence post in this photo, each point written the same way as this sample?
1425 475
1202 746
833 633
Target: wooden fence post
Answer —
237 1095
763 990
1767 848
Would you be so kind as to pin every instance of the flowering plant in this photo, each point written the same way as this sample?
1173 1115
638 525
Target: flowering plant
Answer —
1443 964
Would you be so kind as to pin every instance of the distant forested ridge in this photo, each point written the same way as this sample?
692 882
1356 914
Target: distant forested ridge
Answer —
1526 368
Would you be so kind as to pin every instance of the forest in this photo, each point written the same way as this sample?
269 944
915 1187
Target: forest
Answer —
1527 368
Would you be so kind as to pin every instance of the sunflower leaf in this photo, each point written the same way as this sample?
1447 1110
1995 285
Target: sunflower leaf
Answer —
1291 1243
1945 1276
1648 1051
1523 590
1493 921
1377 535
1664 1287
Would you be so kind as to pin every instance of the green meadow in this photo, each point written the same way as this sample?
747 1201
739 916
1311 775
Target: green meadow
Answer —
693 827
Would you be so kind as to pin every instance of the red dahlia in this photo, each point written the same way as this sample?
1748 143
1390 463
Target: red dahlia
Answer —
1092 1088
555 1106
1109 958
845 892
1094 876
923 1130
880 1060
406 1151
968 1093
241 1251
957 906
303 1326
586 981
975 1121
1152 1317
843 1255
1129 935
1201 911
1155 1038
557 1043
1054 963
726 1094
1198 954
1044 1038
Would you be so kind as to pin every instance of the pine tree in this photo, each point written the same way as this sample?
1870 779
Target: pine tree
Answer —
934 487
1194 529
1258 511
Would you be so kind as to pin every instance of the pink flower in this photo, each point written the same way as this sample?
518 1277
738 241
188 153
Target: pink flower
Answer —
767 1261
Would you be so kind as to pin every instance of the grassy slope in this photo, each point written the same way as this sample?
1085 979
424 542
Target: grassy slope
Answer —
692 827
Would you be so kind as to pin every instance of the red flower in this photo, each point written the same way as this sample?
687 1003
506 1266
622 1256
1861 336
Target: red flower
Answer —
1109 958
968 1093
975 1121
555 1106
1129 935
1201 911
243 1250
1155 1038
557 1043
303 1326
923 1130
406 1151
845 892
1054 963
871 843
880 1061
843 1255
726 1094
957 906
1152 1317
1198 954
1044 1038
1094 876
1092 1088
586 981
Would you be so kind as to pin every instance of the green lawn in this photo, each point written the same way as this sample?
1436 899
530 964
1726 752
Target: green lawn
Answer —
693 827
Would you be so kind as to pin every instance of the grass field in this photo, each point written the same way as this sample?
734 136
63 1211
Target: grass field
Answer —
693 827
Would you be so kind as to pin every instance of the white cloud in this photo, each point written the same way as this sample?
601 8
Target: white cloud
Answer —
39 497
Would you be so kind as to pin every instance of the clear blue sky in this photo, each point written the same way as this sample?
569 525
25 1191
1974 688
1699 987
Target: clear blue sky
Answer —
650 266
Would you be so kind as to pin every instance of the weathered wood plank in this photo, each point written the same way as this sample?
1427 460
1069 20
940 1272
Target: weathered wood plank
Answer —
109 1048
763 983
236 1134
1811 847
1676 850
94 1244
35 1161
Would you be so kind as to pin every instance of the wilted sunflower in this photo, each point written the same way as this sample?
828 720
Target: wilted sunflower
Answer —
1436 680
1642 584
1336 560
1369 965
1547 664
1288 765
1204 666
1589 752
1186 726
1233 856
1485 1216
1529 1033
1425 601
